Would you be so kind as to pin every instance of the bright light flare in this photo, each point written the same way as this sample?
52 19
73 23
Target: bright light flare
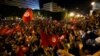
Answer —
72 14
92 3
78 15
81 16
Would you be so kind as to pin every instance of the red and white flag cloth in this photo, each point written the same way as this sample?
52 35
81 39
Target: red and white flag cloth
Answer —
53 40
28 15
44 39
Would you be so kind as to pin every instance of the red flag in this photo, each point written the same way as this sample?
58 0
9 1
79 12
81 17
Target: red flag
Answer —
20 51
44 39
53 40
18 28
25 49
4 30
28 15
9 32
1 30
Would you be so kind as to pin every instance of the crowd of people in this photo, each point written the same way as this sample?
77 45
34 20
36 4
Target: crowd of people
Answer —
49 37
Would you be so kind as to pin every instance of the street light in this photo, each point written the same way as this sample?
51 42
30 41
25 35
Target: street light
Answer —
78 15
71 14
92 3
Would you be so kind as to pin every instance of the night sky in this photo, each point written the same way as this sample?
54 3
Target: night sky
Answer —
70 5
82 5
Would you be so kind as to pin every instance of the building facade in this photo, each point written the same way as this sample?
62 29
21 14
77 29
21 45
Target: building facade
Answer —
95 8
53 7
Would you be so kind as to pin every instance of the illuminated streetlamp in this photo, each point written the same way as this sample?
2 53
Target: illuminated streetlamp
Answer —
92 3
71 14
78 15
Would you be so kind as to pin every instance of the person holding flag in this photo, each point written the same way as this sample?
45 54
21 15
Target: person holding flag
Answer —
27 16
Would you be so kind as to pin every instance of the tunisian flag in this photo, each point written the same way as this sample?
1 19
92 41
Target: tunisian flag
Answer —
4 30
44 39
28 15
9 32
54 40
18 28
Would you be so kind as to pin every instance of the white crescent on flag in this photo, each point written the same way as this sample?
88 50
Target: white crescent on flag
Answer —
53 39
27 14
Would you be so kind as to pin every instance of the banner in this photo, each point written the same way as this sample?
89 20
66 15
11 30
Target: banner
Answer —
44 39
53 40
28 15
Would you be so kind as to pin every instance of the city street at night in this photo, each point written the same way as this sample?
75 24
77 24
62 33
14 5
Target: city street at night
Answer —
49 27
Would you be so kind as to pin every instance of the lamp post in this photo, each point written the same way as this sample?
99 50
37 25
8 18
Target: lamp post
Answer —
93 5
71 14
